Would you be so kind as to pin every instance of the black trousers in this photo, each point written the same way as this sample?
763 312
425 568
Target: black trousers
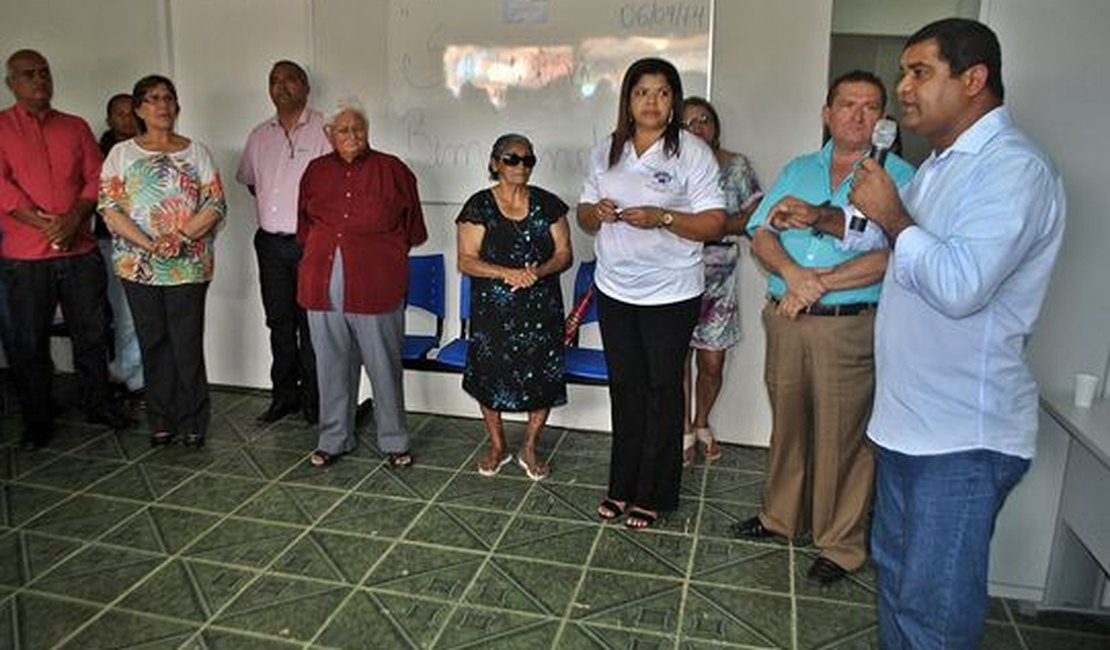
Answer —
293 369
645 348
35 287
170 323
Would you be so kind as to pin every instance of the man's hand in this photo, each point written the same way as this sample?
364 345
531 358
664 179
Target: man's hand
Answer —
790 306
805 284
792 212
60 229
874 194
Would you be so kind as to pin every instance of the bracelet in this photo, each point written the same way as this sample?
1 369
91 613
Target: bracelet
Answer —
183 236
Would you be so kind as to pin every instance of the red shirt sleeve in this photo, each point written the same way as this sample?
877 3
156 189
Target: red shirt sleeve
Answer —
11 196
91 162
415 228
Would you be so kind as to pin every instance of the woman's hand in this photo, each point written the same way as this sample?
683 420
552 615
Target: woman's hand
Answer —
607 211
643 216
520 278
168 245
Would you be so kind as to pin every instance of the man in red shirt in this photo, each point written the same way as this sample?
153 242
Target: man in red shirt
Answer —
49 172
359 214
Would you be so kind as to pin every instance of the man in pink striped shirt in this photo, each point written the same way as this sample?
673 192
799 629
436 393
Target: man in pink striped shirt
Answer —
277 152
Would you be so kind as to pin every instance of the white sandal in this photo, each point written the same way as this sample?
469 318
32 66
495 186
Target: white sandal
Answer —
689 449
492 471
705 436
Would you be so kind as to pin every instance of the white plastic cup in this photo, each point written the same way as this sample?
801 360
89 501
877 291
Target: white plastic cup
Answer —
1085 385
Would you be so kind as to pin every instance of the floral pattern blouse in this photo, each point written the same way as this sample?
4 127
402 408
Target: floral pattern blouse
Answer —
160 191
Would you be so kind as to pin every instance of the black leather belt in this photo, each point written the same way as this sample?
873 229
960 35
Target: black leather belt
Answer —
846 309
282 235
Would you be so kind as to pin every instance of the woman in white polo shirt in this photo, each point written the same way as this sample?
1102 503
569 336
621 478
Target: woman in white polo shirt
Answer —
652 198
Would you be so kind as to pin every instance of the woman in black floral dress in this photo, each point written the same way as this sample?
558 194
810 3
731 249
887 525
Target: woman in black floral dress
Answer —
514 242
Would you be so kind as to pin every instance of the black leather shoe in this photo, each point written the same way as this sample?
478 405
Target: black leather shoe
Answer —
111 416
277 411
311 414
750 529
364 411
825 572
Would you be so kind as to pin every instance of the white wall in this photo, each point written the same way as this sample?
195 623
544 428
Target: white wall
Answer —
1056 86
884 17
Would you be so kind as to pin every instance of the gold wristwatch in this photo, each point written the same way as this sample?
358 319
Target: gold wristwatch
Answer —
666 220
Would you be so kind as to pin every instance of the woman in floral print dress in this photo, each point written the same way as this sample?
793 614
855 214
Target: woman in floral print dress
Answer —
718 327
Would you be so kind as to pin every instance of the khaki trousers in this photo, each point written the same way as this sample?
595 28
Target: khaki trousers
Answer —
820 376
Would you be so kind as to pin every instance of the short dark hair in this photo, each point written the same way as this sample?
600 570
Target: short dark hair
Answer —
297 69
503 143
964 43
145 85
702 102
625 127
855 76
115 98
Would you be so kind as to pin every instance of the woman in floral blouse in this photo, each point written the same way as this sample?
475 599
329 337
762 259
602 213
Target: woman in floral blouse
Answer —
718 327
161 196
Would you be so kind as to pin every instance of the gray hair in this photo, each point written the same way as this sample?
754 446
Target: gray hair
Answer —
349 105
501 145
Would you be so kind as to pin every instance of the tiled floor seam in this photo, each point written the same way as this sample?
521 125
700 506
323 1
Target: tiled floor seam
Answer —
688 575
793 598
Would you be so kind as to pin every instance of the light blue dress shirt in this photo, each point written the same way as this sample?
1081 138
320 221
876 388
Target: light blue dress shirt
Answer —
961 294
808 178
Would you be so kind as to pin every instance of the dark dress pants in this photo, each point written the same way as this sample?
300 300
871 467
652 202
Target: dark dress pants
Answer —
645 349
170 323
293 369
35 288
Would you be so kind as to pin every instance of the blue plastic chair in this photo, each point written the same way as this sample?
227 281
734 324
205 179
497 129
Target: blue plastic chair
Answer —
586 365
426 291
453 355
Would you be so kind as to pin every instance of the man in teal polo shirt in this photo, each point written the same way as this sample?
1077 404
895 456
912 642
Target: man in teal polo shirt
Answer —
819 321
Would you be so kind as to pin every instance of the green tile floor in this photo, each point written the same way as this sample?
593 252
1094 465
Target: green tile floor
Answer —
107 543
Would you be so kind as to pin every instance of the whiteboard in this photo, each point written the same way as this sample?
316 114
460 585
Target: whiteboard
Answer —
462 72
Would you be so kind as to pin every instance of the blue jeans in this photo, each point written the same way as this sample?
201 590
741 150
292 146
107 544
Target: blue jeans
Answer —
930 540
128 363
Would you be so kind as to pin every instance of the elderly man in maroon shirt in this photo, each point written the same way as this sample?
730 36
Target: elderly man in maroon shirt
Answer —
49 170
358 216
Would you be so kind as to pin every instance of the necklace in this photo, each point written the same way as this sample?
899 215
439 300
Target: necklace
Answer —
519 225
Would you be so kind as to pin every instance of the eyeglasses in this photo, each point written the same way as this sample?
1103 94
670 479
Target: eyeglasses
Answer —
700 120
512 160
165 98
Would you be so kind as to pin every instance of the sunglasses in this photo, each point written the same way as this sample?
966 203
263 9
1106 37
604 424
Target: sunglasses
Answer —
512 160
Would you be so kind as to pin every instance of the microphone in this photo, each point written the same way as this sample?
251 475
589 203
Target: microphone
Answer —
882 139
